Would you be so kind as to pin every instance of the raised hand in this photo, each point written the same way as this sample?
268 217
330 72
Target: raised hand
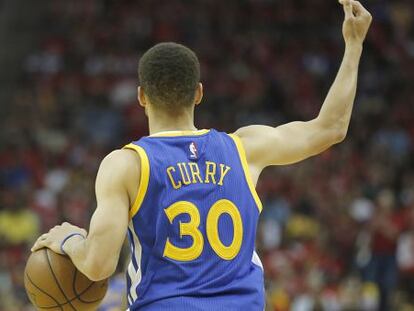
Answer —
357 22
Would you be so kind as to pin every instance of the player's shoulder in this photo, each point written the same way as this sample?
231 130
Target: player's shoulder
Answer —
251 131
121 162
120 169
119 157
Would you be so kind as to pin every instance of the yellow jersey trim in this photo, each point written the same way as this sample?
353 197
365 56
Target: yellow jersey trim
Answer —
180 133
144 179
243 160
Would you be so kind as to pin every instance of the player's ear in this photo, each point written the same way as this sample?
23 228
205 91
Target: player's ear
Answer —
199 94
141 97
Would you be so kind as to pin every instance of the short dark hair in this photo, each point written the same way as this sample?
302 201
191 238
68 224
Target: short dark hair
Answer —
169 74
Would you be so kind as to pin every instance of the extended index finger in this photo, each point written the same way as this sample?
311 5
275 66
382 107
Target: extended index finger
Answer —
40 242
38 245
347 4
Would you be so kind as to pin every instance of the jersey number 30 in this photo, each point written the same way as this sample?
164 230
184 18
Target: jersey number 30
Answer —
191 229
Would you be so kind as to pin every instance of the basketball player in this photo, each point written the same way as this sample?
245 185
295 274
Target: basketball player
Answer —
186 197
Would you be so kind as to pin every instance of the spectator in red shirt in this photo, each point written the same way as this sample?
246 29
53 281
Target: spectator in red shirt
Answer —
385 228
405 256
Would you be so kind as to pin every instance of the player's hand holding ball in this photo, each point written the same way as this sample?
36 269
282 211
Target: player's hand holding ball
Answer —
56 238
53 282
357 22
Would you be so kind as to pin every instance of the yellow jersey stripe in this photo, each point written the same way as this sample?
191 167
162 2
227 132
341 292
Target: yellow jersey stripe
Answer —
242 155
144 180
180 133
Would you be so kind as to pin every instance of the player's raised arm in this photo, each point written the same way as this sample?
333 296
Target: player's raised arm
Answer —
96 254
297 141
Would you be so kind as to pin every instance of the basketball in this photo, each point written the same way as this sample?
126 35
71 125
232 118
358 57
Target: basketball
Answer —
53 283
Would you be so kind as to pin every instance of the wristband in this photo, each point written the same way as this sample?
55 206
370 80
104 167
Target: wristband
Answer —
67 238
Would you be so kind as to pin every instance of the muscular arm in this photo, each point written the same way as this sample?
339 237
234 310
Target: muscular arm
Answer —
97 254
297 141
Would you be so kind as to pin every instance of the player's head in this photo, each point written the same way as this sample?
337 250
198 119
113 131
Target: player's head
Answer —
169 75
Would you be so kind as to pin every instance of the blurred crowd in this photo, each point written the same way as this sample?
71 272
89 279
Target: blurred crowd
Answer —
337 231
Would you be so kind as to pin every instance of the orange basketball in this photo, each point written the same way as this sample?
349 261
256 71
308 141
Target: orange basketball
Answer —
54 284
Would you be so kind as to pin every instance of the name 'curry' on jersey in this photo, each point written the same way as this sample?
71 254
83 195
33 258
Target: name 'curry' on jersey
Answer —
193 226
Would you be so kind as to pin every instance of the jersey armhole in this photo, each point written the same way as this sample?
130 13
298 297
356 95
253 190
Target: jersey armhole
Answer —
242 155
144 178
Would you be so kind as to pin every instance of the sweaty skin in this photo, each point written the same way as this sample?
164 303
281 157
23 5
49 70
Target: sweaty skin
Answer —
96 253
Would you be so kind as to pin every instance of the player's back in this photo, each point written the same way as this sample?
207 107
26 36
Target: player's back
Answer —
193 226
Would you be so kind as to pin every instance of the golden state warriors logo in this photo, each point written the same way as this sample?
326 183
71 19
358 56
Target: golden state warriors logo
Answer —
193 151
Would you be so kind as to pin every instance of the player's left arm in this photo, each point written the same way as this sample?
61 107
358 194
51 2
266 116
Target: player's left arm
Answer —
296 141
96 254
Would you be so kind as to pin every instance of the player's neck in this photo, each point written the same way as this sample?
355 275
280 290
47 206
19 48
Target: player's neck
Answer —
160 121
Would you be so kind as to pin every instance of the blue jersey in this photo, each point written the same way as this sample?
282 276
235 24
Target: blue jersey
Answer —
193 226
